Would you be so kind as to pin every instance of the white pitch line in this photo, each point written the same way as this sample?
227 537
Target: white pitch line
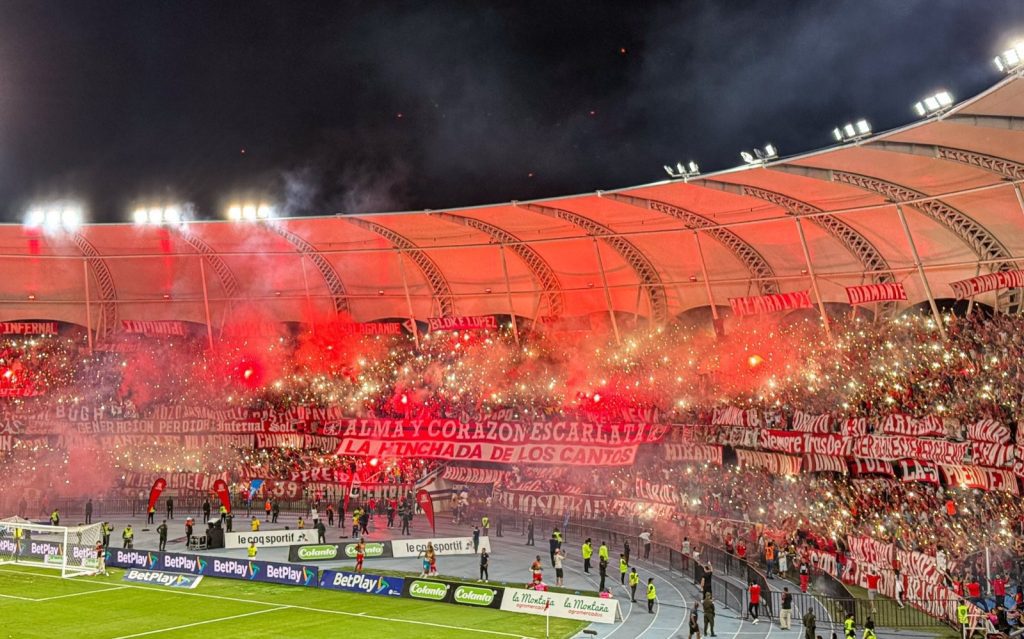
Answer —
203 623
79 594
298 607
17 597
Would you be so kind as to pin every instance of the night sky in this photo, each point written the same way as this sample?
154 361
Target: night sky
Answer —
333 107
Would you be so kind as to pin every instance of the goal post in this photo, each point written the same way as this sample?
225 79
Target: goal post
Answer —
70 549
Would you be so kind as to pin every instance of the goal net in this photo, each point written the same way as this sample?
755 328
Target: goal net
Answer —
70 549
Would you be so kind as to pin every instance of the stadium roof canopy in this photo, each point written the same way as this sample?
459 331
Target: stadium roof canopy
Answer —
655 250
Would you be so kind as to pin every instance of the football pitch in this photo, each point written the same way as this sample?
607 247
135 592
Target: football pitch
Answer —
36 602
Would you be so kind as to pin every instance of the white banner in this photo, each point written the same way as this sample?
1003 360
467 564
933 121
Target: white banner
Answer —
442 546
875 293
575 607
269 538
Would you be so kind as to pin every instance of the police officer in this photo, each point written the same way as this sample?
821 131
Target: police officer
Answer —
709 615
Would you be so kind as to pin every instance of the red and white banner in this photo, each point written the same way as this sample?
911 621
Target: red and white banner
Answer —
774 463
832 445
586 506
660 493
824 464
918 471
320 476
693 452
1003 480
783 441
807 423
988 430
572 454
154 327
462 323
887 448
993 455
468 475
941 451
875 293
761 304
930 426
872 467
28 328
738 436
984 283
276 440
732 416
855 427
368 328
966 476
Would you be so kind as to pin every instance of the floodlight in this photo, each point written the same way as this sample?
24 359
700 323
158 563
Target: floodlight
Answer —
934 104
668 170
172 214
235 212
140 216
852 131
693 167
749 159
249 212
35 217
770 151
837 134
264 211
682 171
1009 61
863 127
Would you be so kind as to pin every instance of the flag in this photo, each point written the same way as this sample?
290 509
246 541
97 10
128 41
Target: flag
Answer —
254 487
154 492
426 503
221 488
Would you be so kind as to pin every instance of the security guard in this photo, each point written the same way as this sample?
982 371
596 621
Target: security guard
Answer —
652 594
848 627
634 581
252 550
128 536
963 616
161 530
623 567
588 552
602 552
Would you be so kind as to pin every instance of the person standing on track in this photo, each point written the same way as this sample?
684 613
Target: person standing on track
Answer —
128 536
252 550
652 594
602 569
694 624
849 627
626 550
170 508
786 613
623 567
634 581
536 571
809 624
88 512
645 538
529 533
709 616
484 562
101 560
162 531
587 552
754 601
559 571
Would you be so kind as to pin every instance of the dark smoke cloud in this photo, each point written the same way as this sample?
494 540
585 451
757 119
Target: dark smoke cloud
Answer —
352 107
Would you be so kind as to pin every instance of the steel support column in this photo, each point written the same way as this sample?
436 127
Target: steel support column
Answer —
814 278
920 271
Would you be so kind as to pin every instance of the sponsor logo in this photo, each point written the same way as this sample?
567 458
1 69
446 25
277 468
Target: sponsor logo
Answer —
277 538
361 582
474 596
231 568
6 545
83 552
182 563
44 548
130 558
431 590
372 550
313 553
161 578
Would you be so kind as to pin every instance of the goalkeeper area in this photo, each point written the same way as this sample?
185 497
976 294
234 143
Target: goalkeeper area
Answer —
37 601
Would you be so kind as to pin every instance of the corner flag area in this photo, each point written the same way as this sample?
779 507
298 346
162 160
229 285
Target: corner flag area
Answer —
39 603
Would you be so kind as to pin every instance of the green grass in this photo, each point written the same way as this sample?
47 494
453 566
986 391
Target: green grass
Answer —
36 602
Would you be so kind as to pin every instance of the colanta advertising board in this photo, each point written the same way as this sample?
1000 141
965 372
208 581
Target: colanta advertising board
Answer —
576 607
338 552
442 546
269 538
362 582
453 592
158 578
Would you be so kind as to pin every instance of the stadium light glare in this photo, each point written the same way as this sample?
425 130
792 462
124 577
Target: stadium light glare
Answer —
852 131
760 156
934 104
250 211
683 171
1010 61
162 215
55 216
